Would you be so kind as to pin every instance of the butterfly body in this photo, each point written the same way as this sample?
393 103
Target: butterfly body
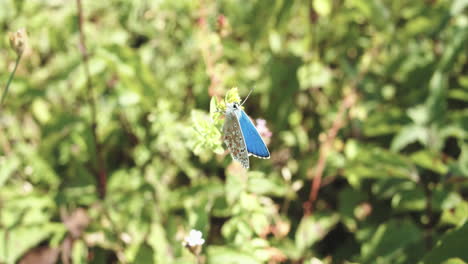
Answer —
241 136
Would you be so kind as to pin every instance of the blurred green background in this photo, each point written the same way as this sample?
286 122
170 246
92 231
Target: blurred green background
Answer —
120 166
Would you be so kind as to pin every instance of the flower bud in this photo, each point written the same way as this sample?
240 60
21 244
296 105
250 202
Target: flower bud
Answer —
18 41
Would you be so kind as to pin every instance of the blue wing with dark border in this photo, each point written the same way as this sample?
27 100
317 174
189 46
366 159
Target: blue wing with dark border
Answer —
253 140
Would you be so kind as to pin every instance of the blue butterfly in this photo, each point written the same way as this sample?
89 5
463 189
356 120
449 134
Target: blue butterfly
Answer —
241 136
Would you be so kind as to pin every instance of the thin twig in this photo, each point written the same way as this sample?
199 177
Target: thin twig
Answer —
338 123
100 171
348 101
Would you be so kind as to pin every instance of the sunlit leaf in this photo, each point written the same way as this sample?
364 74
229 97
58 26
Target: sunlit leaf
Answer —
408 135
217 254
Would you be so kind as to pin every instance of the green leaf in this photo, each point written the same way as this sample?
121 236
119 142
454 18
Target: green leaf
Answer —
258 183
216 109
275 41
235 185
408 135
386 122
454 261
313 75
458 6
15 242
323 7
7 166
227 255
313 228
368 161
436 102
259 222
205 135
456 215
349 201
393 242
41 110
458 94
144 254
409 200
159 243
79 252
430 161
419 115
237 229
451 245
411 197
462 165
455 47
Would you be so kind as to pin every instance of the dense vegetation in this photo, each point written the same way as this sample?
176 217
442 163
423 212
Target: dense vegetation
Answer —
111 144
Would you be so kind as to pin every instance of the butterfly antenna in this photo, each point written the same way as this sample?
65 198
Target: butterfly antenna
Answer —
251 90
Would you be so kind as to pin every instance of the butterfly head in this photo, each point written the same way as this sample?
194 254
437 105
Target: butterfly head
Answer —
233 107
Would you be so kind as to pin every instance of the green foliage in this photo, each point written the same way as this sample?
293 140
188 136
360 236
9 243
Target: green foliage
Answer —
395 179
450 246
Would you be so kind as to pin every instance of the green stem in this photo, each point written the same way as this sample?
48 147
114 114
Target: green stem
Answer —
10 79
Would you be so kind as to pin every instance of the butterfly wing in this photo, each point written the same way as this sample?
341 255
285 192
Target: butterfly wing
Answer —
234 139
253 140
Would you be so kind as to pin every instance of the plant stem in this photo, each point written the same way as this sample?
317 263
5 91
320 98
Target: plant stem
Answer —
338 123
10 79
100 171
348 101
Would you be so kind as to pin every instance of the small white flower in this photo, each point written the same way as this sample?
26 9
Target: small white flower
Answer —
194 238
